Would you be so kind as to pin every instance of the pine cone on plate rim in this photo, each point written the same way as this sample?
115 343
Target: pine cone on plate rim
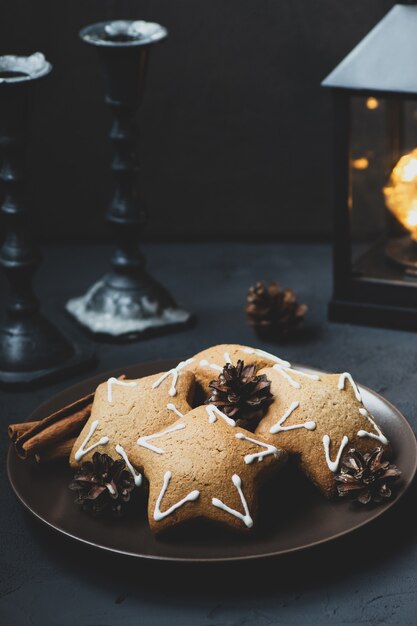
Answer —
273 311
366 477
102 485
239 393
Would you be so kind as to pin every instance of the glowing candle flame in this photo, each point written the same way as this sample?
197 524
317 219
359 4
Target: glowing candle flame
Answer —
401 192
372 104
360 164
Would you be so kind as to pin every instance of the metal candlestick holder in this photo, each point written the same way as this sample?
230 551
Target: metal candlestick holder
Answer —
127 302
31 348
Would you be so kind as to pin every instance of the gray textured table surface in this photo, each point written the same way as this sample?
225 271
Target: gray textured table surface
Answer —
368 578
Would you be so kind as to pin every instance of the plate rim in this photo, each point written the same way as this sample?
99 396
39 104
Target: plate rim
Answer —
227 559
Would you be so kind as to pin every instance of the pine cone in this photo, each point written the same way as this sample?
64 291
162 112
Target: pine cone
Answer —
366 478
239 393
273 311
102 485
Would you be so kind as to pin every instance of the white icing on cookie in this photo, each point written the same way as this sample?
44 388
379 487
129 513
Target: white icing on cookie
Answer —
246 518
291 381
249 458
101 442
137 477
341 384
214 366
278 427
158 514
174 372
212 411
205 363
267 355
143 441
114 381
333 465
364 433
284 371
300 373
172 407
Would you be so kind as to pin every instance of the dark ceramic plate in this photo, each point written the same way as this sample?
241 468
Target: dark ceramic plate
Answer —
294 516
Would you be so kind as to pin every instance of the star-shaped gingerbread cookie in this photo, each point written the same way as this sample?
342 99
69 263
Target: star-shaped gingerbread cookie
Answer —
124 410
208 364
204 466
318 417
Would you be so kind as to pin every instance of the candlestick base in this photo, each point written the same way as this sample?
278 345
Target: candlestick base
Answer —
36 352
118 309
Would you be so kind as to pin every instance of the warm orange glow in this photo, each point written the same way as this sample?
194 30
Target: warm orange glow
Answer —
372 104
360 164
401 192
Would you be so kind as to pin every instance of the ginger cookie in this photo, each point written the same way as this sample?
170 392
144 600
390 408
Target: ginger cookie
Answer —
318 418
208 364
124 410
204 466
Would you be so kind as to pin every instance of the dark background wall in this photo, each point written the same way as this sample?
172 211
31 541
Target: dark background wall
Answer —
235 129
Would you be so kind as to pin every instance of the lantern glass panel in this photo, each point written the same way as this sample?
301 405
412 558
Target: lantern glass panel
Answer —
383 189
368 171
410 125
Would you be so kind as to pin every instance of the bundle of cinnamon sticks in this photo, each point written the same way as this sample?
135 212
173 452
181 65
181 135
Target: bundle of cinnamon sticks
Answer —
54 436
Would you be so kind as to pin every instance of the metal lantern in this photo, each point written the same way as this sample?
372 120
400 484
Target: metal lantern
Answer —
375 176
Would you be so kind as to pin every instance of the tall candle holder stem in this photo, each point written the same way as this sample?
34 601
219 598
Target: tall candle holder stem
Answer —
127 302
31 348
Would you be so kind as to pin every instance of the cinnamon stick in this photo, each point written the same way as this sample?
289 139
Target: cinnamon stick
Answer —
55 428
54 434
38 438
61 450
16 430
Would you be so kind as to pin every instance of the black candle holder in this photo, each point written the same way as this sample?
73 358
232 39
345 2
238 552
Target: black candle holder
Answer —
31 348
127 302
